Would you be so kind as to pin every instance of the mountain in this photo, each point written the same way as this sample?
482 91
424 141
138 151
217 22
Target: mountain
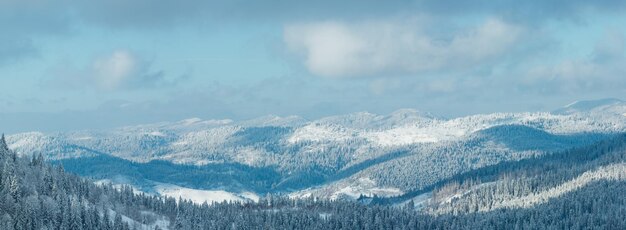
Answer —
342 156
405 170
575 188
607 105
531 182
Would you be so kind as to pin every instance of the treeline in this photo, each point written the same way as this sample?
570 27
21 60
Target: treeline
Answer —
533 178
36 195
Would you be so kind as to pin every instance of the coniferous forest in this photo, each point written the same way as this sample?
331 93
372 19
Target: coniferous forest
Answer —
37 195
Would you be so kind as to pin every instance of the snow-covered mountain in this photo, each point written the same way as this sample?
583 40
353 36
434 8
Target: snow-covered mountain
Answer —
353 154
601 106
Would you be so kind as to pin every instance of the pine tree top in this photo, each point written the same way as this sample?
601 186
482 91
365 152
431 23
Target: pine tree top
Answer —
3 143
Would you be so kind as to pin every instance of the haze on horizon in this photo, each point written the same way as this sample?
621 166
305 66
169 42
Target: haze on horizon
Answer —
79 65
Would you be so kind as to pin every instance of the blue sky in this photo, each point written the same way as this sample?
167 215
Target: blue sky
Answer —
71 64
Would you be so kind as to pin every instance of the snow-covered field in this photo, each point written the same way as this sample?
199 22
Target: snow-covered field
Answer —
363 186
201 196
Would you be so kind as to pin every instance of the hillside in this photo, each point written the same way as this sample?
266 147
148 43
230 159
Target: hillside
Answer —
338 156
578 188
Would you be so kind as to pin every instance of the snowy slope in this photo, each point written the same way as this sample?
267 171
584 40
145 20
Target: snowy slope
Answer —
358 147
195 140
201 196
613 172
597 106
365 186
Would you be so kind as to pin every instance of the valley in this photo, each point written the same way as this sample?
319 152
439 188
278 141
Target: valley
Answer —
335 157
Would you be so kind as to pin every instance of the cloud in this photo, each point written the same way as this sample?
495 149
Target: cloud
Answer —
164 13
23 21
113 71
395 47
610 47
602 69
530 12
454 56
158 13
119 70
57 15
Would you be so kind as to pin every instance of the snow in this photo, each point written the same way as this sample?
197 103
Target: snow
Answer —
465 192
301 194
412 134
249 155
195 195
367 187
117 182
83 138
614 172
190 121
157 134
419 201
25 140
402 135
250 196
272 120
197 122
162 222
205 162
430 130
422 199
586 106
319 133
195 141
200 142
352 190
201 196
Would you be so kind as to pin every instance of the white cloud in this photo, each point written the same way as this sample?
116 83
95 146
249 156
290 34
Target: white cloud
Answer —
112 71
602 69
610 46
339 49
330 48
118 70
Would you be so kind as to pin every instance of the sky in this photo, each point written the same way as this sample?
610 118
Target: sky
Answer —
70 64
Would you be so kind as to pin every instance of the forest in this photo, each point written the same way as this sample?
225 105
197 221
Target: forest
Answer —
37 195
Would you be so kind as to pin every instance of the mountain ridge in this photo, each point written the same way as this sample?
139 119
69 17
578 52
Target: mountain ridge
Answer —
309 154
600 105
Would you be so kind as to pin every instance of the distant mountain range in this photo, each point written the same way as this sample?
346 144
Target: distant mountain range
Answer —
340 157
